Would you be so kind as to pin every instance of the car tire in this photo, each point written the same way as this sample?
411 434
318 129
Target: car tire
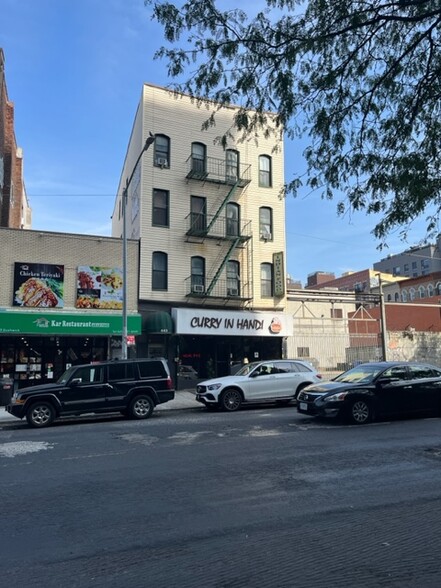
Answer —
360 412
300 387
40 414
141 407
230 400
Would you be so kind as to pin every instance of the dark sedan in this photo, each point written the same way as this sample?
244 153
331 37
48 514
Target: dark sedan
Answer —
375 390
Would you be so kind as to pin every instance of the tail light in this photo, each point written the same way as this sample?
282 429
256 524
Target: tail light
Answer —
169 384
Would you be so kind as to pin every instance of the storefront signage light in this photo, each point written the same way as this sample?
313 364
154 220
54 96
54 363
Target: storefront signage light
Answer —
50 323
212 322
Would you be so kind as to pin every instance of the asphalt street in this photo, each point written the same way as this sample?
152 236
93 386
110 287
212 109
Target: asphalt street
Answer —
259 498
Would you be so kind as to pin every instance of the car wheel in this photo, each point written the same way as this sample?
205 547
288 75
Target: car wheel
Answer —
40 414
141 407
299 389
231 400
360 412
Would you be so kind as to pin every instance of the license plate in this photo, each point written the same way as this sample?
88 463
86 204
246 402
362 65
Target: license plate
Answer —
303 406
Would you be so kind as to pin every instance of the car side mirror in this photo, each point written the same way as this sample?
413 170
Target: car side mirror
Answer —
75 382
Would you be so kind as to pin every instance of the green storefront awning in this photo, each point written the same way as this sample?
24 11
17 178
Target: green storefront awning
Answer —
53 323
159 322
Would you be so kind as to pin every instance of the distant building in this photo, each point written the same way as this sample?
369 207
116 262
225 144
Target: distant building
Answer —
15 211
317 278
413 262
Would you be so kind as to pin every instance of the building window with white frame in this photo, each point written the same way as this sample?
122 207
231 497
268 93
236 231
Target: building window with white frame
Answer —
160 208
162 151
266 223
233 278
231 166
159 271
266 280
232 220
198 158
265 172
197 275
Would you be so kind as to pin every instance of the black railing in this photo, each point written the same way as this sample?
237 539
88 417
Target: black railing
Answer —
220 171
221 227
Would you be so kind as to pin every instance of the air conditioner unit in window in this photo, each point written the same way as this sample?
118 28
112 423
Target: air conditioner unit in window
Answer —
266 236
198 288
232 291
162 161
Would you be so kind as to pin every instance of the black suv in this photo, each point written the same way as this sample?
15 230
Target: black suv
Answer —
133 387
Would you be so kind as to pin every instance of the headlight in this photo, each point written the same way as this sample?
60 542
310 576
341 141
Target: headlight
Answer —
214 386
336 397
18 400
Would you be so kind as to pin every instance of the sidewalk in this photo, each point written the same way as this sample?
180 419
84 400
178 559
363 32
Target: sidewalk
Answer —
183 399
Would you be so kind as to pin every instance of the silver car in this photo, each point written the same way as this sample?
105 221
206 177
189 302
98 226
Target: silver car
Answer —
279 381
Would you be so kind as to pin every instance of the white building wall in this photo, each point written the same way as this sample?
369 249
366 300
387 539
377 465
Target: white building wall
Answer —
181 120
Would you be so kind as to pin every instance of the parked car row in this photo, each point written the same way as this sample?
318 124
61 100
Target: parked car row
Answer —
134 387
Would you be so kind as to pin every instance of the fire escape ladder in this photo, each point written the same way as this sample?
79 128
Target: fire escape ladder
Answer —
222 265
225 201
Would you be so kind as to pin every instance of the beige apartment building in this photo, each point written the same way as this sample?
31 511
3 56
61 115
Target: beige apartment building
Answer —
211 226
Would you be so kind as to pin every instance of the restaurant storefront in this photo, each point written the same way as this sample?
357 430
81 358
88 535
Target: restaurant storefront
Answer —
215 341
37 346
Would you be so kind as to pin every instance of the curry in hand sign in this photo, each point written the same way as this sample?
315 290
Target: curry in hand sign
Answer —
204 322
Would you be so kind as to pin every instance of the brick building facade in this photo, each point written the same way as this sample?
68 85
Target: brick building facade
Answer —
14 207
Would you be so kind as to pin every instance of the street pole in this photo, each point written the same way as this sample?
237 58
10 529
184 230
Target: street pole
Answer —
382 319
149 141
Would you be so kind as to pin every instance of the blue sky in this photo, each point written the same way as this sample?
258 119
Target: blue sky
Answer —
74 71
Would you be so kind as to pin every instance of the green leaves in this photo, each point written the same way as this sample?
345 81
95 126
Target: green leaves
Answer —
359 80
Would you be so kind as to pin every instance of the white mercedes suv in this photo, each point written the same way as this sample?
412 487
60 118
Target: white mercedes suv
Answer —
278 381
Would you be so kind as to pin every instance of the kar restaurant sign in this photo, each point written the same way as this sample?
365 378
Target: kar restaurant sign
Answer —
49 323
216 322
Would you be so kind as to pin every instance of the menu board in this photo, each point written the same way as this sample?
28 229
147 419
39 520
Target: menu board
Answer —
99 287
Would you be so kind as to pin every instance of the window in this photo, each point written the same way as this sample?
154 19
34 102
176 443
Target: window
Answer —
231 165
397 297
152 369
425 264
438 289
159 271
414 265
303 351
266 280
198 213
160 212
198 275
265 179
336 313
421 292
404 296
232 219
412 294
266 223
162 151
430 291
396 270
198 158
233 278
89 375
389 297
406 267
121 371
421 371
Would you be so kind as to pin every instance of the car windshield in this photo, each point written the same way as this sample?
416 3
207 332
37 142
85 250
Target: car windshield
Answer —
67 374
247 368
363 374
